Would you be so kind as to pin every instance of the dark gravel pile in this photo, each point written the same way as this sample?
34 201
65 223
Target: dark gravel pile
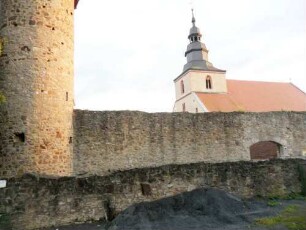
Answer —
199 209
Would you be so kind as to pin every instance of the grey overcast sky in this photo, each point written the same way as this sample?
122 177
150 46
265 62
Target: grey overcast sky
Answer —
127 53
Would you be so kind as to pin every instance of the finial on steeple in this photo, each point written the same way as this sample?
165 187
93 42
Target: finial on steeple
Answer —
193 18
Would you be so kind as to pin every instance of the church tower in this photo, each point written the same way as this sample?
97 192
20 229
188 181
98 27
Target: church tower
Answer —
198 76
36 78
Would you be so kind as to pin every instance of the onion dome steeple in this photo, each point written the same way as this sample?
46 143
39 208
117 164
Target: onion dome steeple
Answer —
197 53
195 34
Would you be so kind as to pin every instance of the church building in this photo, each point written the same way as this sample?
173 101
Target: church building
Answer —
201 87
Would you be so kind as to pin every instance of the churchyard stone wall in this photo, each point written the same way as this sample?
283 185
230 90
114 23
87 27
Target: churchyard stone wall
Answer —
109 141
33 202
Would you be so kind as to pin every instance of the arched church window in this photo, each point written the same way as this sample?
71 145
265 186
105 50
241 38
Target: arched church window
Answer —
208 82
182 87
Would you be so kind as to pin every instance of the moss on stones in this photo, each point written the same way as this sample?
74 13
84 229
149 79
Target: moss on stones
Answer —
302 175
1 45
5 223
2 98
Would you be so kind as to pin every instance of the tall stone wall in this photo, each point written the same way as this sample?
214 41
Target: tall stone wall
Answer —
109 141
36 77
31 202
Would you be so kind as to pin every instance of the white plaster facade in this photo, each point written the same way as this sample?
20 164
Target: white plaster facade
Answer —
194 81
192 104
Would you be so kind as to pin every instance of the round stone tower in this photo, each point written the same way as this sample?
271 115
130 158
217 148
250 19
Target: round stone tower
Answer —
36 78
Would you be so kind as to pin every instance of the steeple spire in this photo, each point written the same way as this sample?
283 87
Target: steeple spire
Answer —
195 34
193 18
197 53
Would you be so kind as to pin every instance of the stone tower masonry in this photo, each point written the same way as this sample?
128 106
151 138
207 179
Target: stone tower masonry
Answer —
36 77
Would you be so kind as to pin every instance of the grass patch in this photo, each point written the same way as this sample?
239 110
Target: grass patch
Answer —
293 217
291 209
273 203
295 196
290 196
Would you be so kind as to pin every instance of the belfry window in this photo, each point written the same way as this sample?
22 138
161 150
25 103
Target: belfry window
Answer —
182 87
208 82
184 107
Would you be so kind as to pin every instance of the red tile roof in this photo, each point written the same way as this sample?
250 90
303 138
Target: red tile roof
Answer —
255 96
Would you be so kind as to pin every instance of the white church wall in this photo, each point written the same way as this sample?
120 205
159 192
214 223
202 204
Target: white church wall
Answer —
187 88
198 82
192 104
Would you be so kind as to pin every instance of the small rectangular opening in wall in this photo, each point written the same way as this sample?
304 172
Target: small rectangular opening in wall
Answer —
20 137
70 140
146 189
67 96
